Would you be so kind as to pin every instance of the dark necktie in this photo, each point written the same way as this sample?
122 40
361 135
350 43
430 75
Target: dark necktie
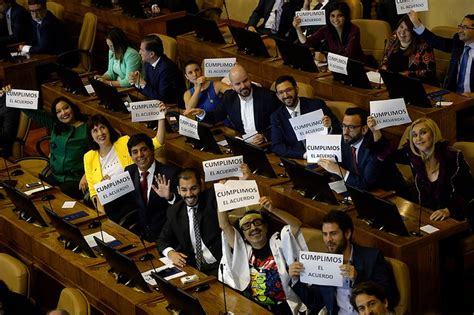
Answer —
197 235
318 6
354 160
144 186
462 69
38 34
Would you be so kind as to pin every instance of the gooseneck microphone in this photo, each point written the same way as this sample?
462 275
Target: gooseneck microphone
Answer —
345 201
147 256
9 181
223 292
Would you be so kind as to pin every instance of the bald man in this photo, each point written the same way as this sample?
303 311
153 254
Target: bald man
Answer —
246 106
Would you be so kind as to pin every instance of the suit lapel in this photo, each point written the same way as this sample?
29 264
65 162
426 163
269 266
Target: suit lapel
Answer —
256 112
184 221
237 113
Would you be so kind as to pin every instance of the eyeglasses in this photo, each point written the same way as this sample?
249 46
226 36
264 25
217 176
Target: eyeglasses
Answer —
246 226
350 127
465 27
287 91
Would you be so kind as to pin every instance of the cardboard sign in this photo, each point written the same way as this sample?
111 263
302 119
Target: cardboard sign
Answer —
146 111
25 99
312 17
188 127
307 124
389 113
323 147
236 194
113 188
405 6
321 268
222 168
337 63
218 67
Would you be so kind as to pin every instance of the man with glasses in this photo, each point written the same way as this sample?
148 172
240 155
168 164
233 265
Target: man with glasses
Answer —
284 141
360 167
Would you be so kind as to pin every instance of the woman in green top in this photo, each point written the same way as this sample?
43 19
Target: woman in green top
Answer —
68 144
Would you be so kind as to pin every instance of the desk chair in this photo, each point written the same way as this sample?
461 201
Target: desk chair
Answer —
23 3
404 168
442 58
402 279
21 135
339 108
170 46
74 301
314 239
356 7
56 8
15 274
211 9
373 34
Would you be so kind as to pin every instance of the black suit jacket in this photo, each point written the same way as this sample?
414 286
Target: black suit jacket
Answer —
152 216
455 46
189 6
284 141
21 25
175 232
265 103
53 37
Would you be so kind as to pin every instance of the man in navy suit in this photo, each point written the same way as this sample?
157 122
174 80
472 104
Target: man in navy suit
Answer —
284 141
360 167
16 23
360 264
163 81
155 186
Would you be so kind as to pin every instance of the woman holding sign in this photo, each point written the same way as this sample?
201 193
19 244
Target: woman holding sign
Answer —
443 181
408 54
339 36
204 93
109 155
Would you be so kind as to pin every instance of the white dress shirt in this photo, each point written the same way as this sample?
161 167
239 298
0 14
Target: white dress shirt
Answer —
247 113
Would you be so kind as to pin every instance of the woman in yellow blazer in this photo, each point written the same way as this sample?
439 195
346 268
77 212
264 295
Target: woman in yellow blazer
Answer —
108 157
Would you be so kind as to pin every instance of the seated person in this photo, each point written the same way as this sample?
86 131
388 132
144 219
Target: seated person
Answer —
408 54
360 167
17 22
12 303
9 118
443 180
123 59
205 94
162 80
339 36
253 261
247 107
284 141
369 298
360 264
109 156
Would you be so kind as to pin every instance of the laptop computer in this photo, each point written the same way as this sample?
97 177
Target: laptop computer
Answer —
207 30
249 43
410 89
206 141
71 81
356 75
109 96
296 56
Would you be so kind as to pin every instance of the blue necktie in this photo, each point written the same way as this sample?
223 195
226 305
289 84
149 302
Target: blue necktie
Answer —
462 69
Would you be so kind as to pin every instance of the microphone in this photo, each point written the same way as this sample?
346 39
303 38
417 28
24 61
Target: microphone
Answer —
147 255
418 233
97 223
47 196
10 181
223 292
345 201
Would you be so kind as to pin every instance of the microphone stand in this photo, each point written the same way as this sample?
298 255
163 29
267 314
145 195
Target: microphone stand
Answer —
345 201
223 292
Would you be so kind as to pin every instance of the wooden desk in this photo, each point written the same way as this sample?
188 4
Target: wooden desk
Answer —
22 75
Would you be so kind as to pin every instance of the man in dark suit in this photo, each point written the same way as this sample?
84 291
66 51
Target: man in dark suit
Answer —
191 234
284 141
163 81
360 264
15 21
247 107
360 167
155 186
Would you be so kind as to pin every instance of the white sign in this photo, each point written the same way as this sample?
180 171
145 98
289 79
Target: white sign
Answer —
218 67
236 194
308 123
222 168
405 6
389 113
312 17
188 127
113 188
321 268
323 147
25 99
146 111
337 63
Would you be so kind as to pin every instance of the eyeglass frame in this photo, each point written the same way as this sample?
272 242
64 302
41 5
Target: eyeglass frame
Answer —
465 27
350 127
254 222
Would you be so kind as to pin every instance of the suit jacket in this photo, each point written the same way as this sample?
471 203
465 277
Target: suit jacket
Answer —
164 82
284 141
130 62
189 6
370 265
53 37
265 103
455 46
152 216
175 232
21 25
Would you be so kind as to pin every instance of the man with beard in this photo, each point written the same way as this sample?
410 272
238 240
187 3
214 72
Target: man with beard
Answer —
246 106
360 264
360 167
284 141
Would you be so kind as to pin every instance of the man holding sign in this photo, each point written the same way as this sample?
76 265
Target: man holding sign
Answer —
284 140
360 264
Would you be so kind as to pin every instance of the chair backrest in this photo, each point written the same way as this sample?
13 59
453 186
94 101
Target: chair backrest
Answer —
23 3
56 8
21 135
304 89
467 149
404 169
339 108
373 35
15 274
314 239
402 279
240 10
74 301
356 8
87 39
170 46
442 58
209 5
